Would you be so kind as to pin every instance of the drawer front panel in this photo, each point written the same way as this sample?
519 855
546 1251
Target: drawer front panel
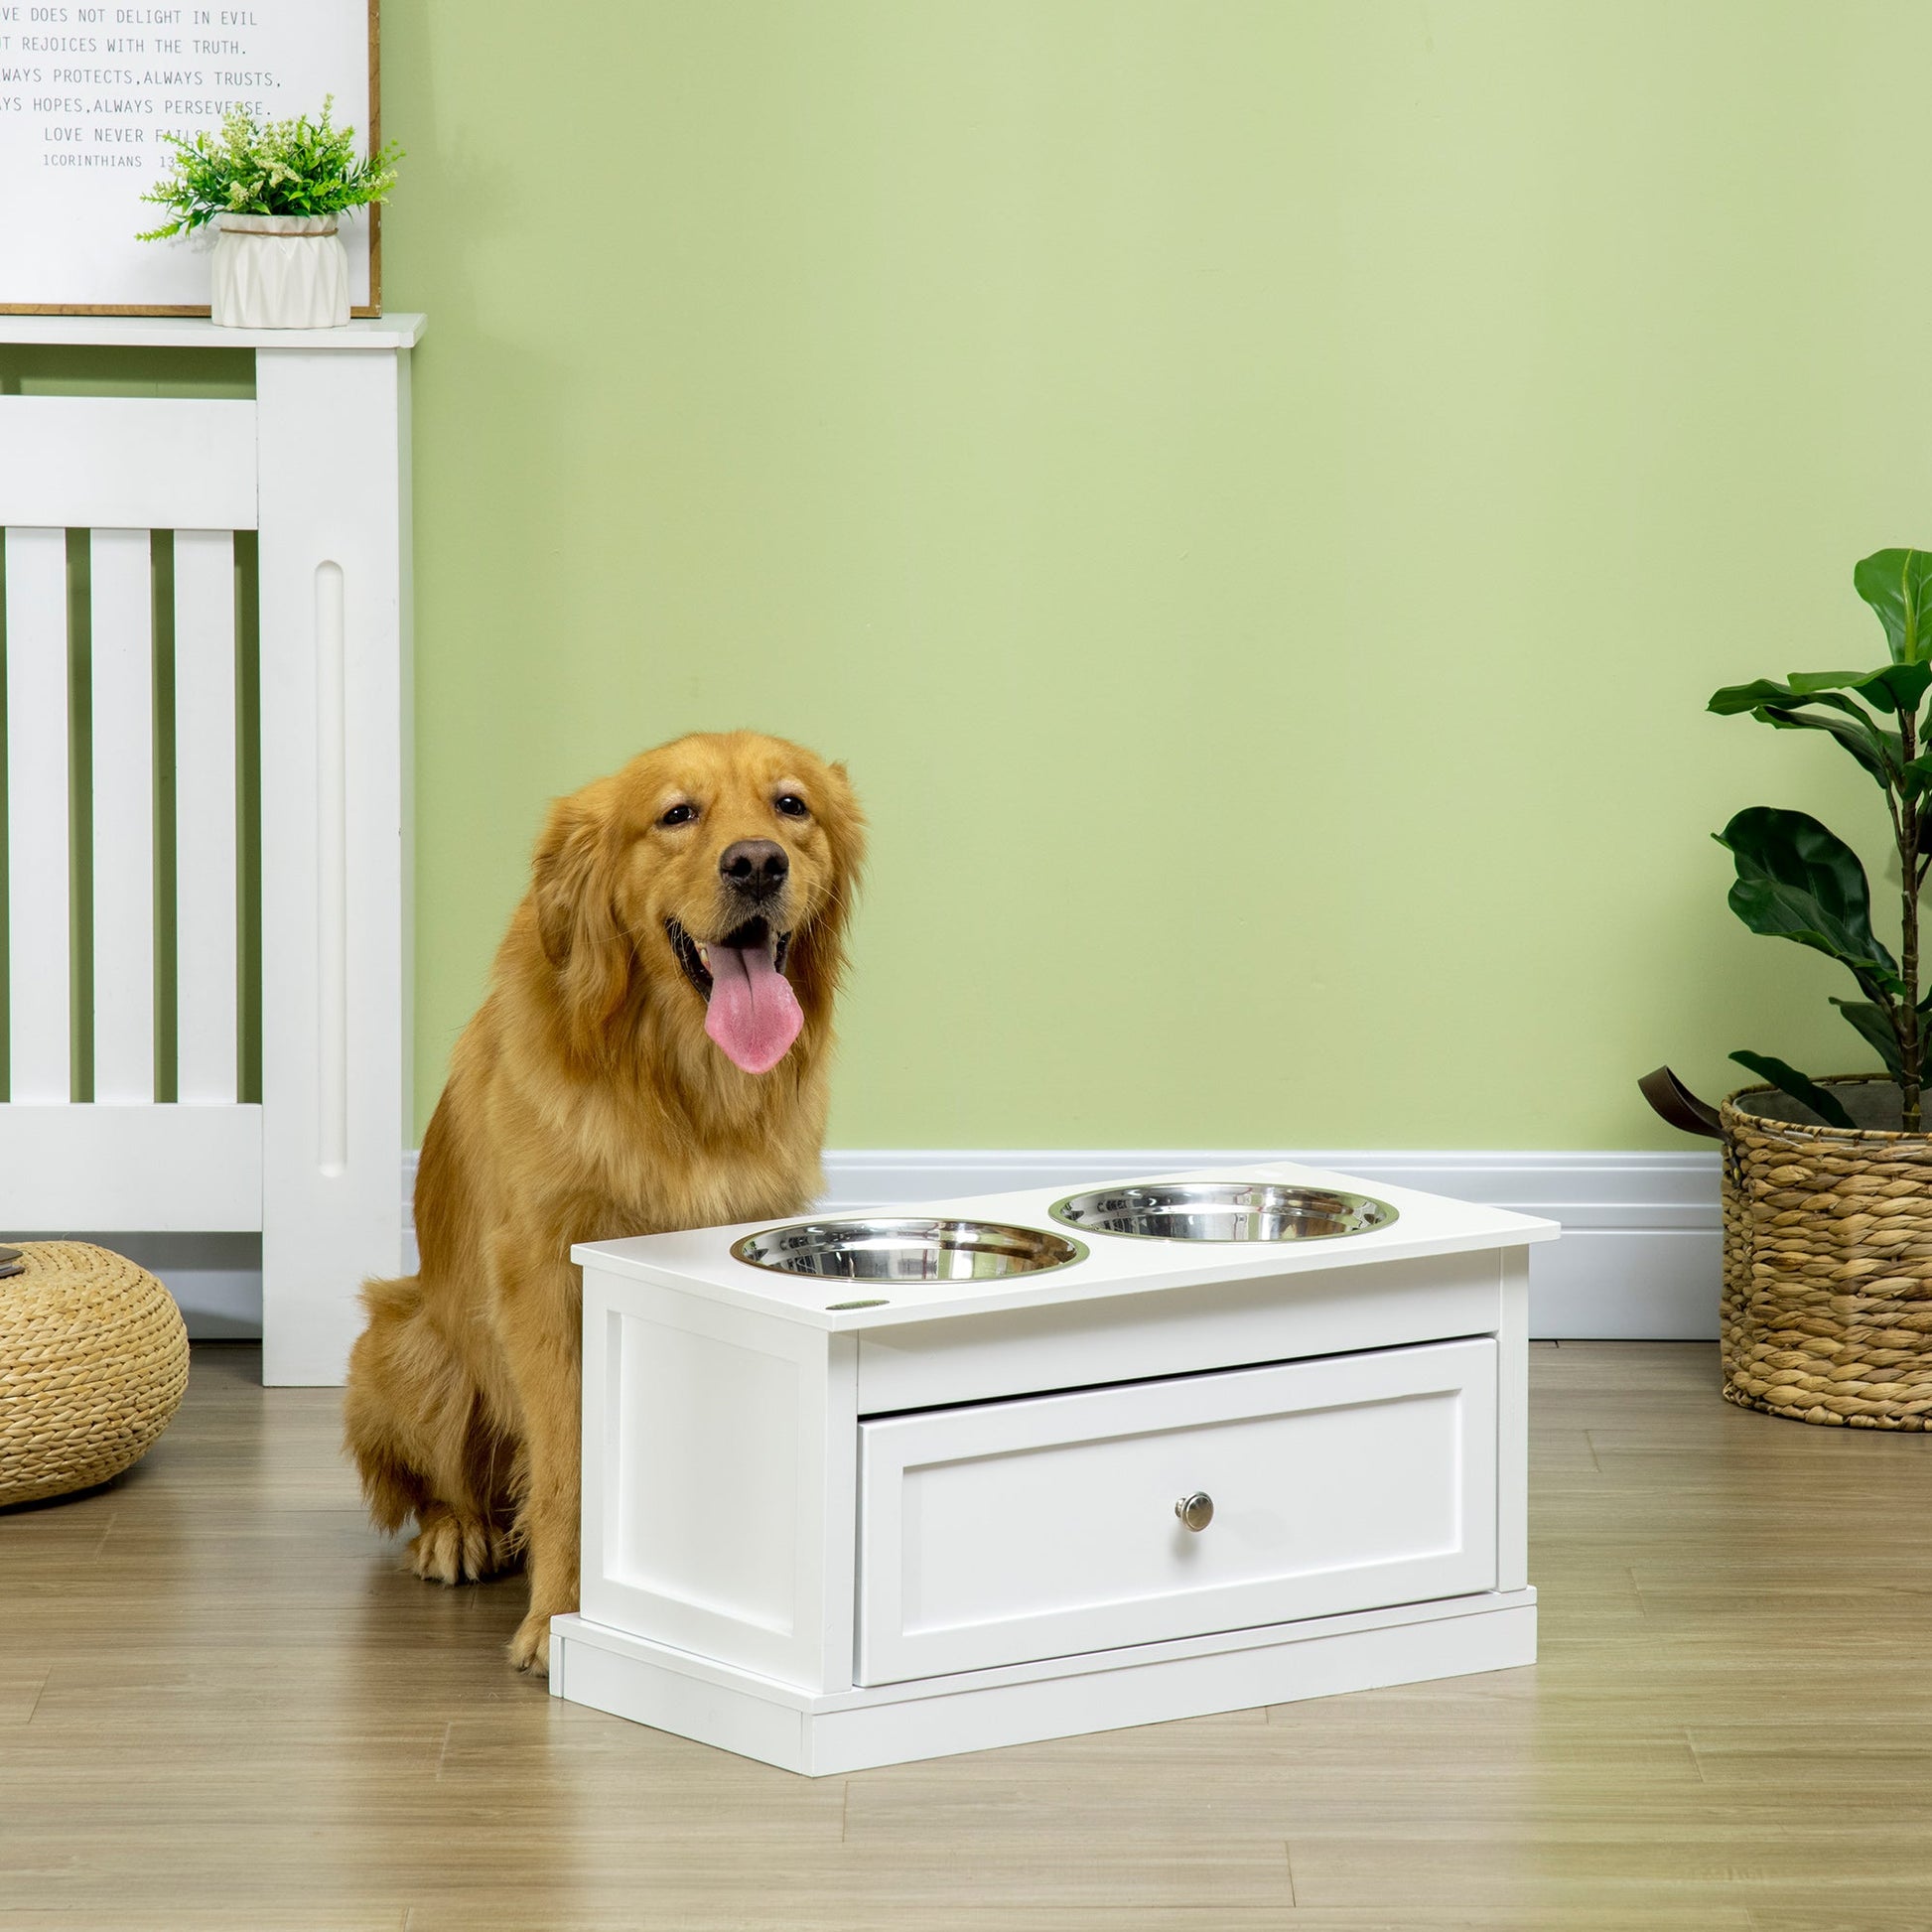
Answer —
1210 1325
1047 1527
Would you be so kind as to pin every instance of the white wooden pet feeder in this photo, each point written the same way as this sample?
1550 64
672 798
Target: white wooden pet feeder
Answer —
866 1490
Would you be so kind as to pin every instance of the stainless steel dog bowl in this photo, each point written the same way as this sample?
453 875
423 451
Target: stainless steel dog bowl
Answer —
1223 1210
908 1250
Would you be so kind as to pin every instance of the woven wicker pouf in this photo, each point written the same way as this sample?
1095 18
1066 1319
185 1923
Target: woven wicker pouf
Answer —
94 1362
1826 1310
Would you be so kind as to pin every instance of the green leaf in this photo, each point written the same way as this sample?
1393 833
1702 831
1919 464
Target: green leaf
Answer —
1897 584
1897 687
1868 746
1916 777
1821 1100
1797 879
1875 1029
1882 752
1762 691
1734 698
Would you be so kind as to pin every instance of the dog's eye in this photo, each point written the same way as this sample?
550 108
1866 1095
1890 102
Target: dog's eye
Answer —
680 815
792 805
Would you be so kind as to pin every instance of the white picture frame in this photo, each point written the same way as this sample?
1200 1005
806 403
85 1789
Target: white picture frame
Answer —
87 87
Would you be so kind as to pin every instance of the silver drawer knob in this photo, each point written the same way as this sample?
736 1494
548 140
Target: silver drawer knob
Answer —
1195 1511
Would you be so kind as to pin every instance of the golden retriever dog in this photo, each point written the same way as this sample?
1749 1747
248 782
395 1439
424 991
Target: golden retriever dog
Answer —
652 1054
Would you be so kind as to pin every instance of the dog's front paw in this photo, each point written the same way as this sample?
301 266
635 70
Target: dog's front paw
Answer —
451 1549
530 1647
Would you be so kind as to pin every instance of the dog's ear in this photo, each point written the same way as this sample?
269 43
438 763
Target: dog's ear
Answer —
818 974
845 825
572 888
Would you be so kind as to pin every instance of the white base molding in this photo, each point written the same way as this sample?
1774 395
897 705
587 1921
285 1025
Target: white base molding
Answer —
1640 1257
215 1278
824 1733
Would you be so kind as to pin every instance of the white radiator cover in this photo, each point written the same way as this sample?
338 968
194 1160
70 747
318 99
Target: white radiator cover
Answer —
189 879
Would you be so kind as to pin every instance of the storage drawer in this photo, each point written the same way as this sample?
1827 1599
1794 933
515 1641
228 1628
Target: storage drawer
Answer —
1044 1527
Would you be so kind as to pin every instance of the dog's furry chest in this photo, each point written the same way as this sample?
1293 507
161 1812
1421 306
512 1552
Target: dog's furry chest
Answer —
697 1185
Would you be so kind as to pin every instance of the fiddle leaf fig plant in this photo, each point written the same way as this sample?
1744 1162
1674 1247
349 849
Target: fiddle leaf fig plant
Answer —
1797 879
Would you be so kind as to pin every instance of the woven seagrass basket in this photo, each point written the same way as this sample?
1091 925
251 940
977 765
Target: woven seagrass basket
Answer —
94 1363
1827 1306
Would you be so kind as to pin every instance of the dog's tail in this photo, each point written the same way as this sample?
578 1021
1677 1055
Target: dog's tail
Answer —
373 1417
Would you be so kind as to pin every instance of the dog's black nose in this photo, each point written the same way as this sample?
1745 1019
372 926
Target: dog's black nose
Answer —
755 866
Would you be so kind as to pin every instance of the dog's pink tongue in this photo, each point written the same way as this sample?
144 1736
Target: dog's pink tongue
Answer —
753 1013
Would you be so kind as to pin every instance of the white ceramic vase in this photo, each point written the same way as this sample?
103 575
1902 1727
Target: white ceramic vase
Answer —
279 271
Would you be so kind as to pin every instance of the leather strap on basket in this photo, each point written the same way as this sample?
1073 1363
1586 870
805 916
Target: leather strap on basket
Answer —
1677 1104
11 1263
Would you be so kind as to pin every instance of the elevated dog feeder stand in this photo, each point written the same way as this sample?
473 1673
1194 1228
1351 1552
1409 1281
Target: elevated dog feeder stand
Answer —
840 1520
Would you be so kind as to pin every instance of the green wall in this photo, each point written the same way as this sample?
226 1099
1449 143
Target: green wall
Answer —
1258 493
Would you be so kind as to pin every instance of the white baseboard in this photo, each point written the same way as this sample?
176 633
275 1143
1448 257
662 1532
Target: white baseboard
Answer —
1639 1258
216 1277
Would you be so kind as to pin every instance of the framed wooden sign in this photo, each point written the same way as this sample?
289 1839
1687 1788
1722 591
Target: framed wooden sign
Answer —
87 88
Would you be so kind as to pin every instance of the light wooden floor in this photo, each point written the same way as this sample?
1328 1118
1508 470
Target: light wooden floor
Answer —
221 1706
